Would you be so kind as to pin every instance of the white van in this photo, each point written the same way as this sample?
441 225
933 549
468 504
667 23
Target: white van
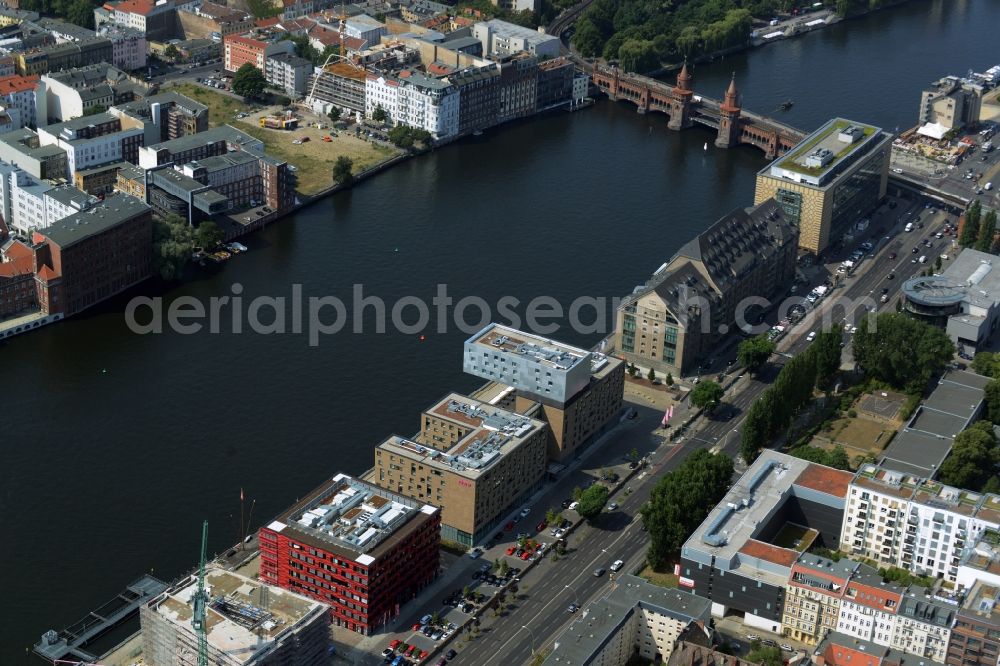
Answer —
988 186
908 227
923 259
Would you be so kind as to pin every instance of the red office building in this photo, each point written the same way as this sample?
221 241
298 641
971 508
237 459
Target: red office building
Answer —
359 548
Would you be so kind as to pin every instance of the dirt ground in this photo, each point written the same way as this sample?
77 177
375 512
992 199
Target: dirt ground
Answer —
314 159
859 436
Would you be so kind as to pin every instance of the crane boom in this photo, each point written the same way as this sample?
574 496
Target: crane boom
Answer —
200 602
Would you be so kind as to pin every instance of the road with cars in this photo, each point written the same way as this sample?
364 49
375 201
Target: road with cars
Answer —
543 607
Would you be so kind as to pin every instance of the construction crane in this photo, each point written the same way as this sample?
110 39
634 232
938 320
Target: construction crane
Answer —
342 55
200 603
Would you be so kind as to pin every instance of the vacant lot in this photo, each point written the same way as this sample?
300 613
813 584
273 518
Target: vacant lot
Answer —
859 436
657 578
314 158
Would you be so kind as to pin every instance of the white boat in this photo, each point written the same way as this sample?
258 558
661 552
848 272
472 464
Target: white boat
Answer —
706 145
236 247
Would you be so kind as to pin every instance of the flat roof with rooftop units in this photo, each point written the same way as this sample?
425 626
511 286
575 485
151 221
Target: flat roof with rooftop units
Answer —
818 158
539 366
350 515
486 435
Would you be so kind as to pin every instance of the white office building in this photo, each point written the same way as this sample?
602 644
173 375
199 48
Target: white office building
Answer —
366 28
502 38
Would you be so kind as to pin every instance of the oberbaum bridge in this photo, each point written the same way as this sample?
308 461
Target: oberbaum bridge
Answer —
733 124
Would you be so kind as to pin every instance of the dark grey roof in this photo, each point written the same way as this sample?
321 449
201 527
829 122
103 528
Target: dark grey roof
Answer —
734 245
115 210
926 609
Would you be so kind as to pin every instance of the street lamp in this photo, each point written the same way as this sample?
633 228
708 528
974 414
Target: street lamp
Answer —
532 644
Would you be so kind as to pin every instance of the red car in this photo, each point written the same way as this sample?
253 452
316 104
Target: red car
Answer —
541 526
510 551
508 527
423 655
413 648
395 644
416 626
526 555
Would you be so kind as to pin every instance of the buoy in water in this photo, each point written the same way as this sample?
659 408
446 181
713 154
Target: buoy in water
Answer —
422 338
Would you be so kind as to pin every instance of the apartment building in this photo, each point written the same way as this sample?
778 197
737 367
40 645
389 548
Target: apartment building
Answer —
975 636
128 46
245 178
555 83
288 72
518 86
950 103
635 617
153 19
690 304
239 50
72 93
902 520
17 279
93 140
64 55
478 97
829 180
816 588
19 99
923 626
416 100
475 461
360 549
869 608
23 149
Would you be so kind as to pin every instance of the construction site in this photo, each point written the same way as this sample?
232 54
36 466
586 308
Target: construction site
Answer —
246 622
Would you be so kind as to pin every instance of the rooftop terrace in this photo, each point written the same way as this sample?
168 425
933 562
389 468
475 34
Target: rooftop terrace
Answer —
543 351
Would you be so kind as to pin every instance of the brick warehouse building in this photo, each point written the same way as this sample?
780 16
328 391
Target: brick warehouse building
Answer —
93 255
361 549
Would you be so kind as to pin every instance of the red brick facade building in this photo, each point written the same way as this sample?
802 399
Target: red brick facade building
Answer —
361 549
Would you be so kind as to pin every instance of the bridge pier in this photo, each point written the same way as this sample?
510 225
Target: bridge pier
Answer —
729 118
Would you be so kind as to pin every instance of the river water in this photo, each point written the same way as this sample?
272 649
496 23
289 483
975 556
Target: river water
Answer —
117 445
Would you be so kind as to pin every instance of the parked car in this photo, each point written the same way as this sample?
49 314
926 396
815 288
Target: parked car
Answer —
572 608
540 527
525 511
613 506
616 565
450 654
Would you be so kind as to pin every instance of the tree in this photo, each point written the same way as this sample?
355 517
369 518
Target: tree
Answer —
632 370
669 380
343 170
173 242
577 493
837 458
937 264
765 656
970 225
992 396
81 12
827 353
334 114
592 501
756 428
248 81
171 52
681 500
706 395
208 234
552 517
973 456
987 231
379 115
753 353
651 375
902 352
987 364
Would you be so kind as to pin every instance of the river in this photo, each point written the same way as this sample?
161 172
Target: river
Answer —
118 444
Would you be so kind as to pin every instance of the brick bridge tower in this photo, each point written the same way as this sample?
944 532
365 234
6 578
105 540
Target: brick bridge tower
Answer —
680 112
729 118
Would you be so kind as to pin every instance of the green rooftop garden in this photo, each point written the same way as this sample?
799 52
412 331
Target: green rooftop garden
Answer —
791 162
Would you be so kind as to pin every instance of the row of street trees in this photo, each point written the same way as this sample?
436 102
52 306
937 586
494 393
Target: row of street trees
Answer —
979 230
681 500
773 411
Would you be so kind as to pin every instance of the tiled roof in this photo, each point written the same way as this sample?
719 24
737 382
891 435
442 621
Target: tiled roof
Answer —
141 7
765 551
826 480
16 83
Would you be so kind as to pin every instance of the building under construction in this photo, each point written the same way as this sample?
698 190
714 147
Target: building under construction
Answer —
249 623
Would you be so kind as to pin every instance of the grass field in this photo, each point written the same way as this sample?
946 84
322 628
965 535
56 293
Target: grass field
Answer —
314 159
657 578
859 436
795 537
